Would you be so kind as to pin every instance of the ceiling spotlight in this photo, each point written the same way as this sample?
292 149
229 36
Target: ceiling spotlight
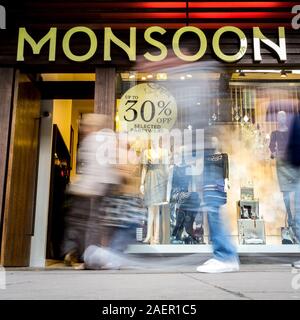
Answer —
149 76
189 76
246 118
182 78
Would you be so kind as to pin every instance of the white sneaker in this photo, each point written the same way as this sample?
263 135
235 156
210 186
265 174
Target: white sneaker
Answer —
296 264
218 266
98 258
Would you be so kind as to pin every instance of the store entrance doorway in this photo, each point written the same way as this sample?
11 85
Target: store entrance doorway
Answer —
66 139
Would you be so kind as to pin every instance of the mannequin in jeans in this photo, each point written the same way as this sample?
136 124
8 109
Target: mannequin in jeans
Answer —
154 182
285 172
215 188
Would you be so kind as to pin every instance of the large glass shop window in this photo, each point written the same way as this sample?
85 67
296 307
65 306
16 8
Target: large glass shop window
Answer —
242 124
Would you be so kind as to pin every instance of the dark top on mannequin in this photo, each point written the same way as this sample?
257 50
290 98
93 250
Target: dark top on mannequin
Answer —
279 142
216 167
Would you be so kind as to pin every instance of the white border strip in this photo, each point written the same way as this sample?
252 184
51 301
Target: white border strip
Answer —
189 249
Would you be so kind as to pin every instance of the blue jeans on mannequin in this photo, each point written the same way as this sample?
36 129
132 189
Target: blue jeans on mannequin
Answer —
287 202
223 248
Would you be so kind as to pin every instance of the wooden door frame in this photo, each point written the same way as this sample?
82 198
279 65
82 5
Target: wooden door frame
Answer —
105 93
14 233
7 87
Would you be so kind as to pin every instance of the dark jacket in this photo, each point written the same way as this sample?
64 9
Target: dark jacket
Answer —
293 149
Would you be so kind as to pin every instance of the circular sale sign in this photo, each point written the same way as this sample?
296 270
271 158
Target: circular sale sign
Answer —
147 107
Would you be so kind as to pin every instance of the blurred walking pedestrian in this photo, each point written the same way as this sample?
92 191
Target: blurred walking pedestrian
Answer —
293 156
215 187
117 219
86 192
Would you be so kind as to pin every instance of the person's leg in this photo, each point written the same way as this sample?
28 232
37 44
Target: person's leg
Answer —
296 228
96 258
287 202
150 225
173 215
156 226
225 256
179 224
122 237
223 248
297 211
112 256
189 221
76 219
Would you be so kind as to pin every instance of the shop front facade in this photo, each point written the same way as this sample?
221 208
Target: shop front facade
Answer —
150 66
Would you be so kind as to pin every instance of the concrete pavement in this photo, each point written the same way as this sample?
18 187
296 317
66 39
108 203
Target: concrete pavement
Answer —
276 281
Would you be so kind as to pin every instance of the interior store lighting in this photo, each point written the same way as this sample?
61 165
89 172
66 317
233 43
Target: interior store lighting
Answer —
258 71
162 76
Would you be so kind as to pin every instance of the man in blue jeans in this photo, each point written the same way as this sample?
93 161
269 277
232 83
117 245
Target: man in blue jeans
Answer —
215 187
296 264
293 156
